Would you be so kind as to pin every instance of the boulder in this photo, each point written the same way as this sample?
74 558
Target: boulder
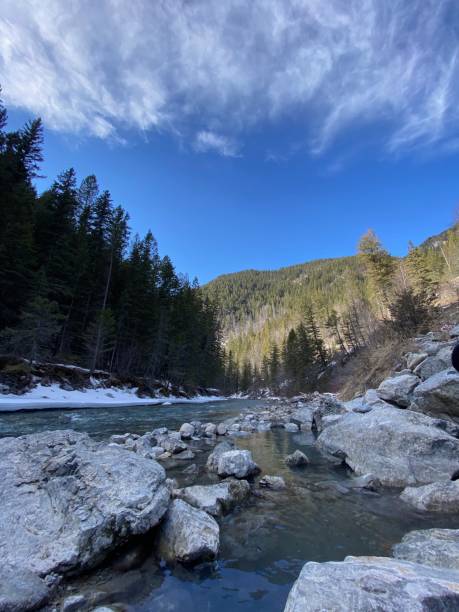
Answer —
212 460
454 332
296 459
372 400
439 394
399 447
414 359
398 389
72 500
188 535
238 463
435 364
276 483
186 431
326 406
74 603
432 547
292 427
302 416
442 497
216 499
362 584
21 589
171 444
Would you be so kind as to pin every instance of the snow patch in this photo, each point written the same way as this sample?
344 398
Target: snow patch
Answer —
47 397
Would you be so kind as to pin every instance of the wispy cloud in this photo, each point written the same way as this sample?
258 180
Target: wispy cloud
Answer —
210 141
213 70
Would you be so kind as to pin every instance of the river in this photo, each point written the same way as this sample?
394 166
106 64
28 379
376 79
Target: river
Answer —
263 544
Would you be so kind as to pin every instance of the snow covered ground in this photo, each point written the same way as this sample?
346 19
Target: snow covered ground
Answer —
46 397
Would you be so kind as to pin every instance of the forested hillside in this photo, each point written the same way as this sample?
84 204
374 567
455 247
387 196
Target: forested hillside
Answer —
289 323
76 287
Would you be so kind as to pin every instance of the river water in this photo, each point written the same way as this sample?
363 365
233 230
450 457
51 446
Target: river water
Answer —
265 543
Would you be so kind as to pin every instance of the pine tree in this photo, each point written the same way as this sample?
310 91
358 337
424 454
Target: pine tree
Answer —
313 331
380 266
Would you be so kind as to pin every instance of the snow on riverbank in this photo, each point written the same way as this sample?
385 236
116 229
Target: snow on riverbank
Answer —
47 397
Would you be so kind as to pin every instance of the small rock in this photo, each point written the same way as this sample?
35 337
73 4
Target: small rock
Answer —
222 429
276 483
238 463
186 431
296 459
73 603
210 430
216 499
222 447
292 427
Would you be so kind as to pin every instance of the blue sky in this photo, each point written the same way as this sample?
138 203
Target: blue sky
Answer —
248 135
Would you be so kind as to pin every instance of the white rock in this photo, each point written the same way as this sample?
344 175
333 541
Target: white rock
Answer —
398 389
188 535
238 463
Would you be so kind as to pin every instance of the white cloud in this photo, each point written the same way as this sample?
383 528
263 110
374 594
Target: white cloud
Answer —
207 68
210 141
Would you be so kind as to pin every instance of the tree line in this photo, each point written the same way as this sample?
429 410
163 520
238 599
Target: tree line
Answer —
78 288
323 312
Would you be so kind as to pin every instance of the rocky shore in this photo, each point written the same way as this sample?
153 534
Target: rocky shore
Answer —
68 502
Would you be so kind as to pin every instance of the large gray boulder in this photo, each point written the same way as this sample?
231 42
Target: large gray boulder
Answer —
399 447
434 364
188 535
216 499
186 431
442 497
439 394
398 389
238 463
432 547
66 500
303 417
21 590
414 359
364 584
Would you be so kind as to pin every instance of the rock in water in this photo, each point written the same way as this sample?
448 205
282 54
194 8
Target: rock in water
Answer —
362 584
238 463
296 459
188 535
442 497
20 589
439 394
187 431
275 483
433 547
212 460
71 500
216 499
399 447
398 389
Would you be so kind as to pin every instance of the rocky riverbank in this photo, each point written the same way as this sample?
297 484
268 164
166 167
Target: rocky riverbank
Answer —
68 502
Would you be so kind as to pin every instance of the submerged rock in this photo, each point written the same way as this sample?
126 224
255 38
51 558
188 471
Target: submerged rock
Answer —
216 499
440 497
398 389
71 500
362 584
432 547
296 459
276 483
399 447
188 535
238 463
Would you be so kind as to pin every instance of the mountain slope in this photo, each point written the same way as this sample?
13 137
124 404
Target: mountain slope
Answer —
257 308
